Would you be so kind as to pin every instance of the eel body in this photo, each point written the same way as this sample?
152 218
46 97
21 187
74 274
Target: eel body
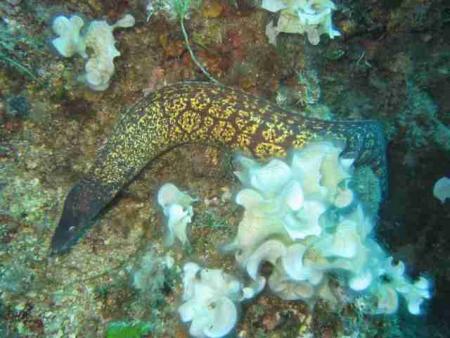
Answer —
195 112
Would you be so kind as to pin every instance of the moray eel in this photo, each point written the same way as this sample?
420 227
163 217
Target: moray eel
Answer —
195 112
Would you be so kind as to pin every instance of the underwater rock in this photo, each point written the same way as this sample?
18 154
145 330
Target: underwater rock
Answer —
17 106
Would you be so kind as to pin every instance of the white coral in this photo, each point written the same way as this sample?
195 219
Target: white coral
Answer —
310 17
441 189
98 40
69 41
395 282
304 219
210 297
178 210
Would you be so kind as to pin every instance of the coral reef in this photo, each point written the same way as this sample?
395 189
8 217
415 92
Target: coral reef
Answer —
305 220
306 213
390 63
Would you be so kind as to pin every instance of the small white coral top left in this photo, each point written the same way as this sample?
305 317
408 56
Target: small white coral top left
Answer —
98 39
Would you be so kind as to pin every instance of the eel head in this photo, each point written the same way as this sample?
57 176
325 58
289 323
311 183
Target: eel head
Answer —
83 203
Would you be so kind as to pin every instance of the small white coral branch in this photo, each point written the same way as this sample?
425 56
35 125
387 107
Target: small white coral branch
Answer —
178 210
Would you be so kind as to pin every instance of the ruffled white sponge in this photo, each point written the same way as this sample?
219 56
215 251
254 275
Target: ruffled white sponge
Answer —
305 220
310 17
97 44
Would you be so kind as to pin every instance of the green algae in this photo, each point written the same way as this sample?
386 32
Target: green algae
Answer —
14 46
420 122
128 329
366 185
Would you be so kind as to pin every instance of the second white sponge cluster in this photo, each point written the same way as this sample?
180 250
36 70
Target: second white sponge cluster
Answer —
302 217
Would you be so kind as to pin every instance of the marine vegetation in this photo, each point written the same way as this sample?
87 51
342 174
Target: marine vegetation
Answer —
14 42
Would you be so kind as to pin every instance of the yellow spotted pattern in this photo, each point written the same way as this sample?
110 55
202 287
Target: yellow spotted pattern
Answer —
211 114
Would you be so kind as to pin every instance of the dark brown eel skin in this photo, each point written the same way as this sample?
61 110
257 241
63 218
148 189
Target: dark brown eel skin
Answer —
197 112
